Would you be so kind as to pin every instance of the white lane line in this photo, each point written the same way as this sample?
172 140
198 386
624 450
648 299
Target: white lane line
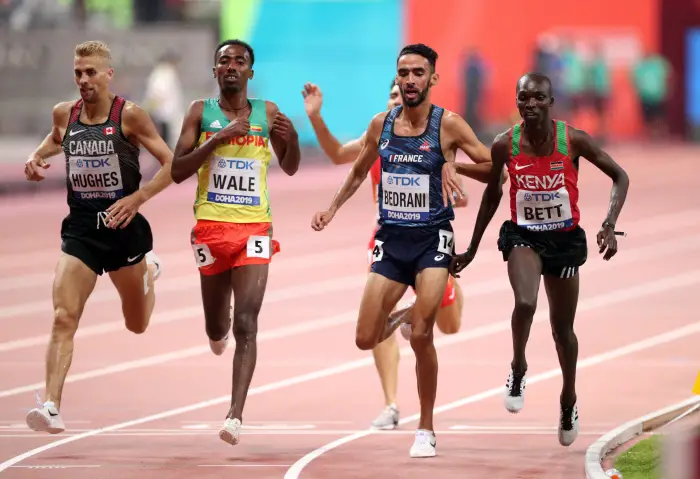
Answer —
600 301
657 340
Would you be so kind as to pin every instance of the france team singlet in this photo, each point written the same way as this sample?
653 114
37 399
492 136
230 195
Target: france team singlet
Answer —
102 166
410 190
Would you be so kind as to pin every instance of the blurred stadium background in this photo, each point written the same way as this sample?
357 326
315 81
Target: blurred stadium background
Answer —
626 74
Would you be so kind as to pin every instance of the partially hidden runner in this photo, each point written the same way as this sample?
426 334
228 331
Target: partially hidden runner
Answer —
100 135
449 316
543 237
417 143
226 142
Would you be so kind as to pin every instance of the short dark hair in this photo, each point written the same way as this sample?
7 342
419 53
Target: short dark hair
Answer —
537 77
393 84
239 43
420 49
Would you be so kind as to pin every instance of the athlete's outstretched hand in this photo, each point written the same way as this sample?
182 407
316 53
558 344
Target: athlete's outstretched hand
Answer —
313 99
33 167
606 240
460 261
451 188
123 211
321 219
282 127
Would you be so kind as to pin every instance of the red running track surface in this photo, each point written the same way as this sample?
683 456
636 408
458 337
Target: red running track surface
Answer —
150 405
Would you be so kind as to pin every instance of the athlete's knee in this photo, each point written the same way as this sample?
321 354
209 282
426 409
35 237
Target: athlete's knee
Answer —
563 334
245 326
365 341
525 306
65 322
449 320
421 334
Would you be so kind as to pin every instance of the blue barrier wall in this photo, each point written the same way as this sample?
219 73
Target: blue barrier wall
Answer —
692 79
348 48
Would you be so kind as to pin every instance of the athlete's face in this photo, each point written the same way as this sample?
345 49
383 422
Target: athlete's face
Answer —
414 78
233 70
394 97
534 97
92 75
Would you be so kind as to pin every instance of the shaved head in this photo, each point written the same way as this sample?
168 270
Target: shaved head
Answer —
536 80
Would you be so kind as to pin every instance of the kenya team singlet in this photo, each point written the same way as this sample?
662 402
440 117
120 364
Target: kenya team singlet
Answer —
102 166
232 183
543 189
410 191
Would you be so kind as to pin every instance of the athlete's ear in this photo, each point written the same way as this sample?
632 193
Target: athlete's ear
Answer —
551 100
213 71
110 73
434 79
252 73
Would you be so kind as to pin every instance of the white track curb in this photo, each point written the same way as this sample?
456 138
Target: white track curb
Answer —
600 449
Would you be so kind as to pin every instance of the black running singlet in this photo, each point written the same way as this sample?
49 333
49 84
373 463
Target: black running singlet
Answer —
102 166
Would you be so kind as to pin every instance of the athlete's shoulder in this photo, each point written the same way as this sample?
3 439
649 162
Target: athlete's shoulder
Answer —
132 113
61 111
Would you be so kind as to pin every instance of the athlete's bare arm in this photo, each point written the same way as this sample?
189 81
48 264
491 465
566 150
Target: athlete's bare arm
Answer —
139 129
500 155
51 145
583 145
339 153
284 139
459 135
189 157
357 174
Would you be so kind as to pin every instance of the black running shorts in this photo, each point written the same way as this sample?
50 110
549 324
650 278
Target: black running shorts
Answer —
103 249
401 252
562 252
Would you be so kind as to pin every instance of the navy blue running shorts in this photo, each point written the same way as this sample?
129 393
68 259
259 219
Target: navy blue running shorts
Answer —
401 252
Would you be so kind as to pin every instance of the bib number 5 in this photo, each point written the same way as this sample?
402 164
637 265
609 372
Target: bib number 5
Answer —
258 247
446 242
202 255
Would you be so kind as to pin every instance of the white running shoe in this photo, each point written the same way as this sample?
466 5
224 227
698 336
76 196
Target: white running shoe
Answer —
514 399
568 425
231 431
388 419
45 418
424 445
151 258
218 347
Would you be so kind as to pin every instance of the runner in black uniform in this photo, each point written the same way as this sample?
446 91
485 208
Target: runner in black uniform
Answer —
100 135
417 145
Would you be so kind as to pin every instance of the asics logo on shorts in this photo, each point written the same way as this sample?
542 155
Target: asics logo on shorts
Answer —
439 257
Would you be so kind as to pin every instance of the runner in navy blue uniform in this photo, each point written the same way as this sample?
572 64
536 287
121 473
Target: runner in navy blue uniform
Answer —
417 144
100 135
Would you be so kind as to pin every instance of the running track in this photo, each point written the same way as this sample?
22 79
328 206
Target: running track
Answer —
160 397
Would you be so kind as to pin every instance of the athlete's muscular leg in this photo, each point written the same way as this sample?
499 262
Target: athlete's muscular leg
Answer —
378 300
216 300
73 284
562 294
136 290
524 270
249 284
449 318
386 359
430 288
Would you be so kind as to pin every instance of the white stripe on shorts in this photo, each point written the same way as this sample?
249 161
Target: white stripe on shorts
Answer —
569 272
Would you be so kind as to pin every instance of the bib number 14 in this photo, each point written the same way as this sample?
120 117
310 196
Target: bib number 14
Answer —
446 242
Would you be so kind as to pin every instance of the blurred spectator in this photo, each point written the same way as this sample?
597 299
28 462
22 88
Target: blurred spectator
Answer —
164 97
598 81
651 76
474 79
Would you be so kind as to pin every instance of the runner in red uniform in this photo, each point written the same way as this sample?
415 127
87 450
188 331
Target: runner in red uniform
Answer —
386 354
543 236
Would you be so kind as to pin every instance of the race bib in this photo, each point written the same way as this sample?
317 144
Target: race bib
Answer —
544 210
234 181
96 177
405 196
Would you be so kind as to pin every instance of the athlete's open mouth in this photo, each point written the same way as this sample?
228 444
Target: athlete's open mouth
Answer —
410 93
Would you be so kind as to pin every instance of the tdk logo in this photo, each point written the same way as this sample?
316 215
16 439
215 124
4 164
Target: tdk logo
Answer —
405 158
